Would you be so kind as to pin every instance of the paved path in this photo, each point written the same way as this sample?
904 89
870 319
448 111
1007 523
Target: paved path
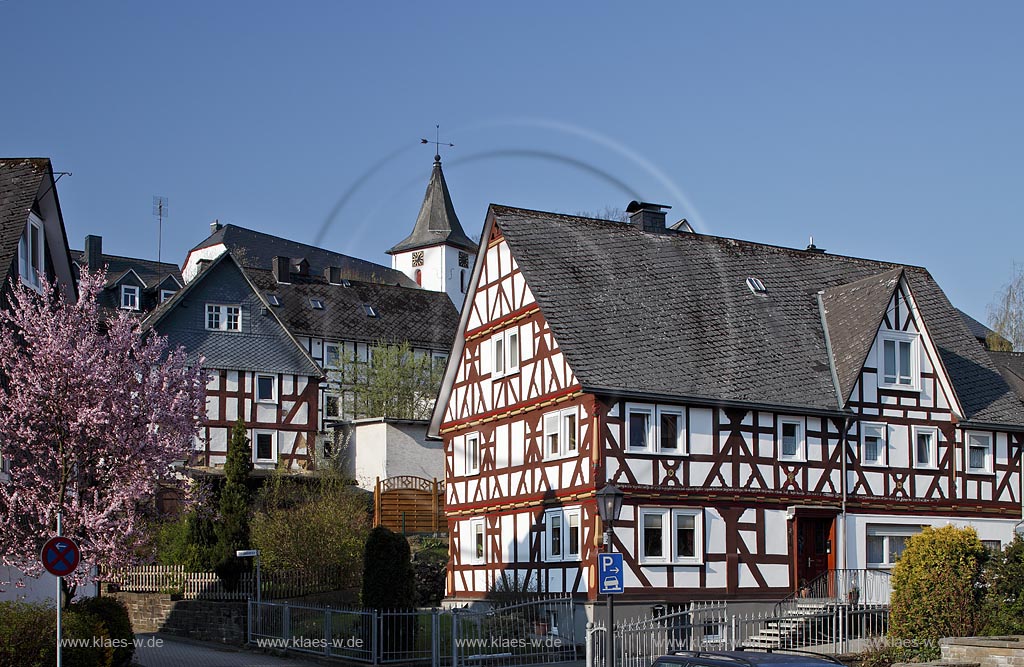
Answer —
177 652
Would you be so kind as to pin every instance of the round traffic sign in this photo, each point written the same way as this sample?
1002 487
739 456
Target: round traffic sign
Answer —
60 556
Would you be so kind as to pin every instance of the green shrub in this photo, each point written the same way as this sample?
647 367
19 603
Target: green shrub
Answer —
936 588
188 540
118 623
430 565
304 525
1003 607
28 633
388 579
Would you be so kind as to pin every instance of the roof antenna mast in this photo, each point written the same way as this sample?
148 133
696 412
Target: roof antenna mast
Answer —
160 211
437 143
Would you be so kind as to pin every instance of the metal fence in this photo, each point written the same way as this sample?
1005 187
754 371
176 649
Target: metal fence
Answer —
536 632
829 627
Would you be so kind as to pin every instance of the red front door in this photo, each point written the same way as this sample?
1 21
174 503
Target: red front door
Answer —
813 549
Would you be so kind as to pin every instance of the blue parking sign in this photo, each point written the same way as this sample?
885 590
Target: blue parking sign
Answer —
609 574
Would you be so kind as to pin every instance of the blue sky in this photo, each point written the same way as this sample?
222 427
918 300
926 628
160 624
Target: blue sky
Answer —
886 130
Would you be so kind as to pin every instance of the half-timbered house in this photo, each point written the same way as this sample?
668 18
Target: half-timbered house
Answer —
285 325
771 414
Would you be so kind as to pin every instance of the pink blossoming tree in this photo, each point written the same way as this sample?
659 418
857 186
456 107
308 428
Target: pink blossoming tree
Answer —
92 415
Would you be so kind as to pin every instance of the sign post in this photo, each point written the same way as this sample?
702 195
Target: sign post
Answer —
60 556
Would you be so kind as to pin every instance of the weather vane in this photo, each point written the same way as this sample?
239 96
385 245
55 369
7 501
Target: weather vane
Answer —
437 143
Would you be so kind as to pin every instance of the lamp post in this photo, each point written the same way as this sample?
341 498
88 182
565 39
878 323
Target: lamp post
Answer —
252 553
609 505
1018 529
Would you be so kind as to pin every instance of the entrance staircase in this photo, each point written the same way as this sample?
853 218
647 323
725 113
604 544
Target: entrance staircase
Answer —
795 626
819 612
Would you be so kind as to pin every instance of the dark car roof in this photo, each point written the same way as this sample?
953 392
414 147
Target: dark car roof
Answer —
743 659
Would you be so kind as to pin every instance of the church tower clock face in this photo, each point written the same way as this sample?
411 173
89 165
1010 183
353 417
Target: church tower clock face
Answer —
417 258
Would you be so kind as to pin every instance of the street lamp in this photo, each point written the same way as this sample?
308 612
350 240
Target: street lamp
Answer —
1018 529
252 553
609 505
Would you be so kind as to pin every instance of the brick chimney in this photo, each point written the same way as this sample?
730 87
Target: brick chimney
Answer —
282 268
93 252
648 217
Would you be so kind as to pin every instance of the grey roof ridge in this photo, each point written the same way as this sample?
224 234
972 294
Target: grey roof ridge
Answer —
716 238
132 259
828 348
166 307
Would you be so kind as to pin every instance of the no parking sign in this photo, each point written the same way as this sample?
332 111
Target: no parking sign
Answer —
60 556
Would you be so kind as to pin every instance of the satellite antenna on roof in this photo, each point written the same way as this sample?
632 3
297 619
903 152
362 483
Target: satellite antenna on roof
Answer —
437 143
160 211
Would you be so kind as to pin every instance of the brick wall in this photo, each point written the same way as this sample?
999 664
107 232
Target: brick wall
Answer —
207 620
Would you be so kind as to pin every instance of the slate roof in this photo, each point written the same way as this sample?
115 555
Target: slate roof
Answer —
422 317
853 313
253 249
436 222
670 314
20 180
273 349
1011 367
151 272
977 329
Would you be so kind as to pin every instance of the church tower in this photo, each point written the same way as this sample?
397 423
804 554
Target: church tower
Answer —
437 255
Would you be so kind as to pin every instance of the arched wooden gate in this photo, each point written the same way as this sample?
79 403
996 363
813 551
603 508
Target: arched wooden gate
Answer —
409 505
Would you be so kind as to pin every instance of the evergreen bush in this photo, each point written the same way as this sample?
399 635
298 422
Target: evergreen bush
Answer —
936 588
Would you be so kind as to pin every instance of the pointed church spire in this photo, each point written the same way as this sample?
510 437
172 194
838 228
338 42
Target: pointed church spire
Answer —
437 223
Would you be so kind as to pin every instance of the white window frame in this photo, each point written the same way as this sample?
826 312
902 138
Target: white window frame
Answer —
472 453
273 388
29 274
801 439
654 414
556 424
166 294
506 353
933 454
562 518
477 527
223 310
134 292
989 453
255 446
883 450
915 359
680 435
669 542
886 531
339 352
338 401
652 430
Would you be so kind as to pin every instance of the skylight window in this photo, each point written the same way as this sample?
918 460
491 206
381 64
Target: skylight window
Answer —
274 300
316 304
370 310
346 283
755 285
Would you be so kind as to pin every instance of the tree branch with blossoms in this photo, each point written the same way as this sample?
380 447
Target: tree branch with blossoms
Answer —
93 414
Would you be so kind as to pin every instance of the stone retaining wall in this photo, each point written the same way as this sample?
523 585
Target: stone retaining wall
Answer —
985 651
207 620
